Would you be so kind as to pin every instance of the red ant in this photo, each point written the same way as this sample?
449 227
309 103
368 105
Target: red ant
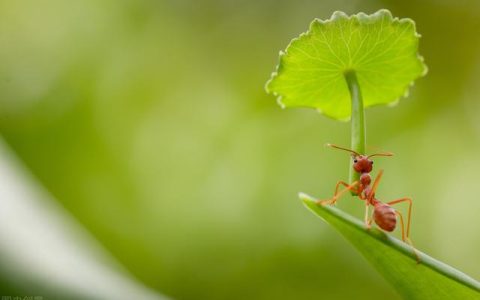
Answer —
383 214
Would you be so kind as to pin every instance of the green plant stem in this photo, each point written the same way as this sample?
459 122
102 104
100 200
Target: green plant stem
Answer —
358 131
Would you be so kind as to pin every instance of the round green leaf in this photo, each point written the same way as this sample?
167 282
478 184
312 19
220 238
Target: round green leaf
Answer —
380 49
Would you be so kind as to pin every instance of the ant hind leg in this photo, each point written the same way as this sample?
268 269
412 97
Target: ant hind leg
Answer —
409 200
406 235
406 238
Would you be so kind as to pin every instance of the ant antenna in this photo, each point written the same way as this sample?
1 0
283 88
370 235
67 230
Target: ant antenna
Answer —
345 149
381 154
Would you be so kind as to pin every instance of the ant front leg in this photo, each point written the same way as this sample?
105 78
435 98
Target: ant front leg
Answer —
337 187
348 187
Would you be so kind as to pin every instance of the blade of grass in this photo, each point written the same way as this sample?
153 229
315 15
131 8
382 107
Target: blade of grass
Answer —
396 261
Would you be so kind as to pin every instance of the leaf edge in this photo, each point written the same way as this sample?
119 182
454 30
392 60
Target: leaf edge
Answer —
426 260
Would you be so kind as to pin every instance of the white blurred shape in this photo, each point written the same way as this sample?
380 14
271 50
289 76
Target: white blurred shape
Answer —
41 245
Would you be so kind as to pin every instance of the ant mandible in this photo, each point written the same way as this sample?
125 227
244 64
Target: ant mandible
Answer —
383 214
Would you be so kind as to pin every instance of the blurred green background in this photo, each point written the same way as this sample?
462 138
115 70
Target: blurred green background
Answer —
148 121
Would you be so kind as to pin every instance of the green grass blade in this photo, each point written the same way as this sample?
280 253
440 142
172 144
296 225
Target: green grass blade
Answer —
395 260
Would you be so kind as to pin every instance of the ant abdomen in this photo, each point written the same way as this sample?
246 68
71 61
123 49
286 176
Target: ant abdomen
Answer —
385 217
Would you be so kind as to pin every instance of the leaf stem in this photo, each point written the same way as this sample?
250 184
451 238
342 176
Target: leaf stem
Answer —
358 131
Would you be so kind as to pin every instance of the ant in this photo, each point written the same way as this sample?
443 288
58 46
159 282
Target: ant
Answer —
383 214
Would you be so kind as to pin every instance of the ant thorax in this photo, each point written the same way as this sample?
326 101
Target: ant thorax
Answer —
365 179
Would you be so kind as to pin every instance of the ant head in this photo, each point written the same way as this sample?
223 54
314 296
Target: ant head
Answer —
361 163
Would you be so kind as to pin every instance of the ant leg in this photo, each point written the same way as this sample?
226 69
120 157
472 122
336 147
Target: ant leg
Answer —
367 222
407 239
409 200
370 220
338 194
337 186
399 214
375 185
369 197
